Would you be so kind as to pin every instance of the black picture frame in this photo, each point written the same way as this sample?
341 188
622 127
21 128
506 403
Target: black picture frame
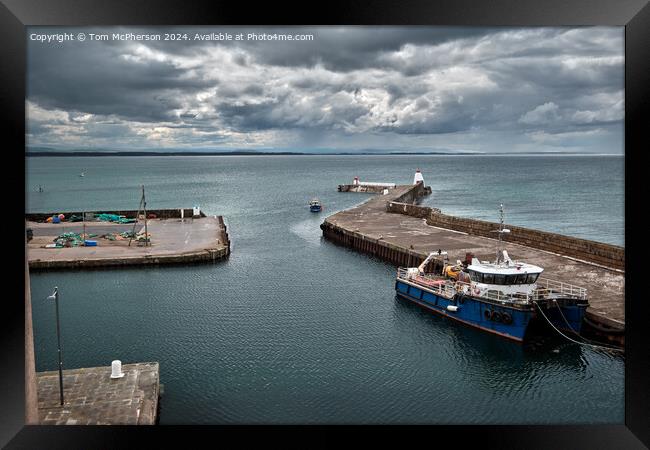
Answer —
15 15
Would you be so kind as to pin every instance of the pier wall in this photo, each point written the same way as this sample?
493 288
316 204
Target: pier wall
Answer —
607 255
362 188
421 212
418 190
131 213
411 196
378 248
207 255
223 238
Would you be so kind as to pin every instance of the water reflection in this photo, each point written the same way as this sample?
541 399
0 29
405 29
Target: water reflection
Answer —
495 357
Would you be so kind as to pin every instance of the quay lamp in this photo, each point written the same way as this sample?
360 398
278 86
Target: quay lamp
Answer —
55 297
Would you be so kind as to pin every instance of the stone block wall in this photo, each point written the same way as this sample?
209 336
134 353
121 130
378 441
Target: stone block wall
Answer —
596 252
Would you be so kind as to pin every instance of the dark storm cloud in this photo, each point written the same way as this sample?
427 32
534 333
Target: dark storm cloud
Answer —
345 49
96 78
335 48
407 87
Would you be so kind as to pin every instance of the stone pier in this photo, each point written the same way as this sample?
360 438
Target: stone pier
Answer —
91 397
173 241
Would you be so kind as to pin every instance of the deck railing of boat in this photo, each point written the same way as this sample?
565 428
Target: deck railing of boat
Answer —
449 288
561 288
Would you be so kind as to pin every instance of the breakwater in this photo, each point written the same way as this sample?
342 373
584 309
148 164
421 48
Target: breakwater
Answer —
395 229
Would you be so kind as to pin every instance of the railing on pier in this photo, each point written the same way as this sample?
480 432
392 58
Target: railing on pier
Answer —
449 288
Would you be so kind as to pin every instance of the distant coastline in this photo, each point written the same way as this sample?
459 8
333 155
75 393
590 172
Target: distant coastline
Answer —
258 153
145 153
234 153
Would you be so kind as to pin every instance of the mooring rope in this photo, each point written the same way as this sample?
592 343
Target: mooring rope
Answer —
578 335
573 340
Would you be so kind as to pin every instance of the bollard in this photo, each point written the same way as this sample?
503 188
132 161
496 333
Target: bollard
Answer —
116 369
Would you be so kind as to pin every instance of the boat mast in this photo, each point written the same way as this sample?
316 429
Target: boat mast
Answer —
500 233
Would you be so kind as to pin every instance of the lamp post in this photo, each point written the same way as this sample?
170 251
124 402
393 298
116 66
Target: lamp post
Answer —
55 297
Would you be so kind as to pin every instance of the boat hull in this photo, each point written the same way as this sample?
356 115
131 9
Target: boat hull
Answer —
565 314
470 311
568 317
315 208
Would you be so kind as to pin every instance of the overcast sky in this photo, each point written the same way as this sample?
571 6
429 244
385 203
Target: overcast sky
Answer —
350 88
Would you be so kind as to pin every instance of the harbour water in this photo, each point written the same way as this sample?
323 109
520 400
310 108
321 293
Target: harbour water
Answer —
293 329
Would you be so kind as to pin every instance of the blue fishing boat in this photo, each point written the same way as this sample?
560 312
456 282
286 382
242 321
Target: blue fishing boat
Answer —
315 206
503 297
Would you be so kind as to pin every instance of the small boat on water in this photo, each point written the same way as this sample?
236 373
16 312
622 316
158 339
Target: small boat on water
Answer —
502 297
82 174
315 206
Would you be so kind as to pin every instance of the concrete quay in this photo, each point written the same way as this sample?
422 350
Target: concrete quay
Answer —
173 241
92 397
395 230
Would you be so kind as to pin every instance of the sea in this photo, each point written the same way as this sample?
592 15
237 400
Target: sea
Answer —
294 329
